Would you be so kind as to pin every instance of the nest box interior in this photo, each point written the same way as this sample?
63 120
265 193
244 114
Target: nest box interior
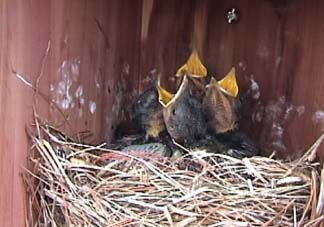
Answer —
92 58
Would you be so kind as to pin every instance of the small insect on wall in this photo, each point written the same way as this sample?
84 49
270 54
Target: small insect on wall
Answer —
82 65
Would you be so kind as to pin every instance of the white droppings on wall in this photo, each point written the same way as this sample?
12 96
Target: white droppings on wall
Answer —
75 69
126 68
318 118
288 111
62 94
242 65
92 107
82 101
263 50
80 112
61 89
97 78
277 130
79 92
300 110
254 88
66 39
257 114
64 104
278 61
277 115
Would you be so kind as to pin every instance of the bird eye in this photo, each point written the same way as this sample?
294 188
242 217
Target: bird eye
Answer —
174 112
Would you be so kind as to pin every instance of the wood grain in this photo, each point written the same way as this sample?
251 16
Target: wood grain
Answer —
93 45
277 43
110 47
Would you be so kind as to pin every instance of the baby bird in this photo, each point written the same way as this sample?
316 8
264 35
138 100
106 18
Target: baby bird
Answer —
147 114
182 113
220 106
196 72
219 103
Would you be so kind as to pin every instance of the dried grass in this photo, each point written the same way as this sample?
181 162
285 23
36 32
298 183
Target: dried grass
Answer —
74 184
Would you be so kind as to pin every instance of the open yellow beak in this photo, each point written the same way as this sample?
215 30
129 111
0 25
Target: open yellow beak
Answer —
228 84
193 67
164 96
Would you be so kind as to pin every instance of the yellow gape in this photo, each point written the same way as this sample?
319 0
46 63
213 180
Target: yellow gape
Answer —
193 67
164 96
228 84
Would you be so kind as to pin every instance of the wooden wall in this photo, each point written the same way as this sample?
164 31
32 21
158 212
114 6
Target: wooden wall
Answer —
101 53
93 57
277 43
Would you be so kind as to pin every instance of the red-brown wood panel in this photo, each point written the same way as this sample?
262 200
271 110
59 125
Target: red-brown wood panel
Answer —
102 51
122 31
92 48
24 37
278 44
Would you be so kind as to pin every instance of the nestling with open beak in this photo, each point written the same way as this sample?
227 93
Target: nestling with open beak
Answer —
182 113
219 103
196 72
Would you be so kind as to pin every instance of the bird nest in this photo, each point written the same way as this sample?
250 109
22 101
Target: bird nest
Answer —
75 184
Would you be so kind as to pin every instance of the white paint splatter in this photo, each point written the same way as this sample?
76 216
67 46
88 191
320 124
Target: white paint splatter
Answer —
92 107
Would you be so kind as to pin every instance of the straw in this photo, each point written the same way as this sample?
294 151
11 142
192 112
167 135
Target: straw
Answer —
75 184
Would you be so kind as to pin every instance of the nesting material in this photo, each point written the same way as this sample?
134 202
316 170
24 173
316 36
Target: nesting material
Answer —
74 184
